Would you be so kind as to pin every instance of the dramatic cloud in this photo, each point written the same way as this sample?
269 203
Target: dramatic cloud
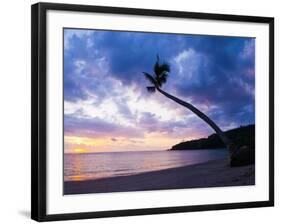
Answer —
105 92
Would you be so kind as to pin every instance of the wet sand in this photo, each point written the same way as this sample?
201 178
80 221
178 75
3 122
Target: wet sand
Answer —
210 174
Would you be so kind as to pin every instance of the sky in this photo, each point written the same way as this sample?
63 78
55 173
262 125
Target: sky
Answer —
107 107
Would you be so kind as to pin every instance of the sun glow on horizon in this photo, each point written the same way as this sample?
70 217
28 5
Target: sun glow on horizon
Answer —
149 142
80 150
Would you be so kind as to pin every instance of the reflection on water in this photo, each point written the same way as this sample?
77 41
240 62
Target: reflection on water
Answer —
76 167
79 167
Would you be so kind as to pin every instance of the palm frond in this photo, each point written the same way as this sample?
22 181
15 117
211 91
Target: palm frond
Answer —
151 89
157 65
160 68
150 78
157 57
162 78
165 67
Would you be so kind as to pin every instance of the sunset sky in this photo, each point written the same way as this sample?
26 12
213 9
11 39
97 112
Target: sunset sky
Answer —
107 107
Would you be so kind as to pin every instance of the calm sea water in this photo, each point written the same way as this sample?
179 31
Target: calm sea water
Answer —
102 165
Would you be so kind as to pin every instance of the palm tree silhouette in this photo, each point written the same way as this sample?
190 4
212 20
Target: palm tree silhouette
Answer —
238 156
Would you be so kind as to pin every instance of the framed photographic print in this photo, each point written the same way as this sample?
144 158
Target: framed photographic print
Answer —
139 111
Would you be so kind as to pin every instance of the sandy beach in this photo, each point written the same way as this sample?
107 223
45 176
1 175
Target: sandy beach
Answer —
210 174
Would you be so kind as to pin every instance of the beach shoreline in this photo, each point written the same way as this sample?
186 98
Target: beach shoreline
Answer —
215 173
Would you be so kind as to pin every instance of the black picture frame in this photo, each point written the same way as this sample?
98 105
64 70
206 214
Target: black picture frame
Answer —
39 107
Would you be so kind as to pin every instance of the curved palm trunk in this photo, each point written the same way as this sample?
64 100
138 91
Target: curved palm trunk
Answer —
204 117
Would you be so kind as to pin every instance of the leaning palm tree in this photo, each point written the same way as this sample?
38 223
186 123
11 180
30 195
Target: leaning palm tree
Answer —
238 155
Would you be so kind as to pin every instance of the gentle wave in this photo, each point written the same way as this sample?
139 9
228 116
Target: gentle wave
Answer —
78 167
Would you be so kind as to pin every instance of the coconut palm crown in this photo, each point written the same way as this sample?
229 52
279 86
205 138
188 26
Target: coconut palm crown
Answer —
161 72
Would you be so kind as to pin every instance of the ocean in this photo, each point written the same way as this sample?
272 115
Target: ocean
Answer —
91 166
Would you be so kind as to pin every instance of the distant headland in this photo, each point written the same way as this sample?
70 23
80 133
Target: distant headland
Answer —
244 135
